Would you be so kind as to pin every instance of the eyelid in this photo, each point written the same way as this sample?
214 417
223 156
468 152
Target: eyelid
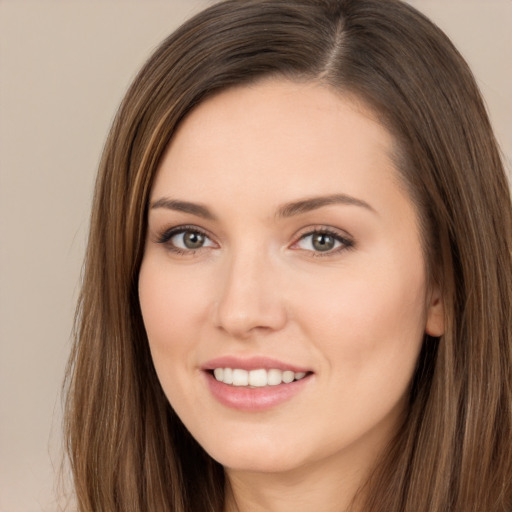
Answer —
164 237
345 239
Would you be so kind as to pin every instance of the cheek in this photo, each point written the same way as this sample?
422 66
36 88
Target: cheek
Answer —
371 319
173 309
370 331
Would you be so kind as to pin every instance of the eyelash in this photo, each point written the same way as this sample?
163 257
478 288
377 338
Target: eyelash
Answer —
346 243
165 237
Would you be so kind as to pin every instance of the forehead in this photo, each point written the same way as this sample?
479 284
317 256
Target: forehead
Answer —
274 139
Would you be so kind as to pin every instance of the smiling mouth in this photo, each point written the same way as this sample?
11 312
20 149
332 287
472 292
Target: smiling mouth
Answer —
257 378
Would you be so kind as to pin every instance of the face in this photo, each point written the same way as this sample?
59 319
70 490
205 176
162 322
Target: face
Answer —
283 285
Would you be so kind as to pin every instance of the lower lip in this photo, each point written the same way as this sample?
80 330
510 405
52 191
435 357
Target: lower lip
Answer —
254 399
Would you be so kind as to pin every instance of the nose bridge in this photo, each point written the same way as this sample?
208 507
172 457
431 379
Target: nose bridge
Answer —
248 297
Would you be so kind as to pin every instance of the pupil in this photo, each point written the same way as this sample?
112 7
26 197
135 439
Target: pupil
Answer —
193 240
323 242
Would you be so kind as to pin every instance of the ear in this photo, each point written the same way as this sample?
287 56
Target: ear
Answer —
435 314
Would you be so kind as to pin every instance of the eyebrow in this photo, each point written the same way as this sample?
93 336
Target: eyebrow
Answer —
184 206
313 203
287 210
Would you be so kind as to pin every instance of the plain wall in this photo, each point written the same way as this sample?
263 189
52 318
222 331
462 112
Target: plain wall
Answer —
64 66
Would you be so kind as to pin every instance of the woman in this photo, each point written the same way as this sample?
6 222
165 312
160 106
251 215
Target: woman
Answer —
298 286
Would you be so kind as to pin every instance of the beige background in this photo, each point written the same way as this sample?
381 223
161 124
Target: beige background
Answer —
63 68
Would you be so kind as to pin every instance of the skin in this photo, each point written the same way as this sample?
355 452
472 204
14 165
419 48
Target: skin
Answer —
354 315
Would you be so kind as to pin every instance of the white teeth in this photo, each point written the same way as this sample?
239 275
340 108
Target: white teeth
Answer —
228 376
240 377
256 378
288 376
274 377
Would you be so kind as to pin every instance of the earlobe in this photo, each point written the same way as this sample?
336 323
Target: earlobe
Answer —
435 315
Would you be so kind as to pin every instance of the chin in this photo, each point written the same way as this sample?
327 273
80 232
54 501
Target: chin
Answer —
259 457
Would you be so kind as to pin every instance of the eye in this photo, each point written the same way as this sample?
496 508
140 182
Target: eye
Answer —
189 240
184 239
323 241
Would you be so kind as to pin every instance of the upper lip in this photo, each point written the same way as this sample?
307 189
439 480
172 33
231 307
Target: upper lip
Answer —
251 363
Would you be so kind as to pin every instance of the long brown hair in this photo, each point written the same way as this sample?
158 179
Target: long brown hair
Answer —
128 450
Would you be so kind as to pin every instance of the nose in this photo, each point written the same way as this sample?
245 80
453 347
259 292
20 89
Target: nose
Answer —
249 299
